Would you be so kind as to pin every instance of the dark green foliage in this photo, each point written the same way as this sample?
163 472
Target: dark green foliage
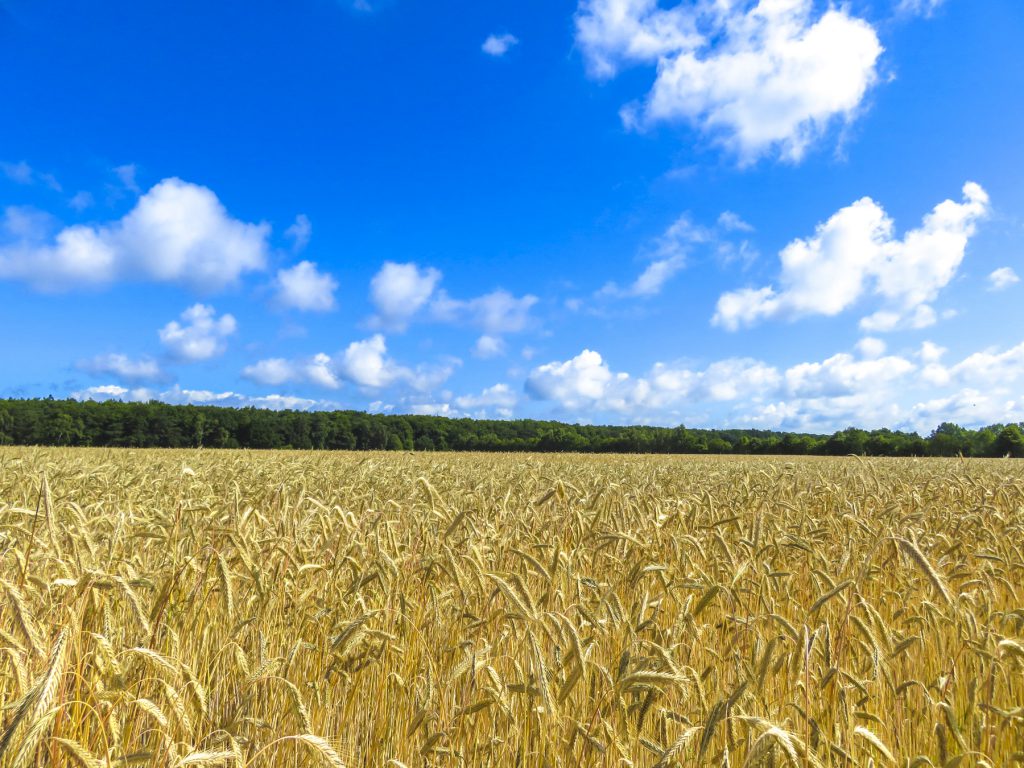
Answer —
1010 442
158 425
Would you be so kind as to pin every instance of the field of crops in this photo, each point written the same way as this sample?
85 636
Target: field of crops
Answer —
163 608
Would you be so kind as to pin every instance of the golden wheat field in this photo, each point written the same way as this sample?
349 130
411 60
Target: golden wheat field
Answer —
176 608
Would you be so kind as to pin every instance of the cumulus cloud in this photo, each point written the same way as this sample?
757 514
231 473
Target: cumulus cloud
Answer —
871 348
365 363
179 396
305 288
177 233
499 396
581 381
886 320
318 370
200 335
493 402
983 388
431 409
273 371
873 389
841 374
1002 278
123 368
586 381
499 45
968 407
399 291
771 76
855 253
990 368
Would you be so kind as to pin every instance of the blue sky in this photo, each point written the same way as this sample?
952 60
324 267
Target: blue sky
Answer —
783 214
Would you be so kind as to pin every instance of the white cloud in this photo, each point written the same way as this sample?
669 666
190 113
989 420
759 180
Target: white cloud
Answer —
745 306
990 368
931 352
871 348
367 364
667 257
432 409
364 363
915 392
614 33
179 396
499 396
495 313
884 320
176 233
24 223
855 252
399 291
499 45
318 370
728 379
305 288
489 346
587 382
870 390
273 371
496 402
1002 278
201 334
112 392
841 374
300 232
761 78
732 222
654 277
123 367
583 381
968 407
818 396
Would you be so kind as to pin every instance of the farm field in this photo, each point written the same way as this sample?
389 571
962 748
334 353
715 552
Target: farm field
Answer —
166 608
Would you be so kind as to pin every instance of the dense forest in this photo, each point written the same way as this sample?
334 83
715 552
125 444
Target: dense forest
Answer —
159 425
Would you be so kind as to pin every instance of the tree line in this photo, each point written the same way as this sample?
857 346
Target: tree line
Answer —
159 425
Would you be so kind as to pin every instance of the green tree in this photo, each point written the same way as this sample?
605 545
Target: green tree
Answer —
949 440
1010 442
65 429
849 441
6 426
